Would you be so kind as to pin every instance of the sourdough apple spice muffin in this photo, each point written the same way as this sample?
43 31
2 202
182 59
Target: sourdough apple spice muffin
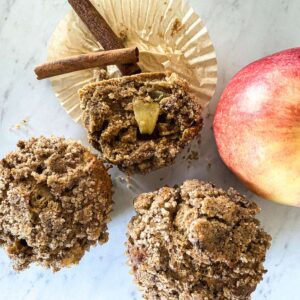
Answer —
140 122
55 199
196 242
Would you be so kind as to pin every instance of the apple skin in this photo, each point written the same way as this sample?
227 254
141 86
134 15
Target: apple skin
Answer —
257 126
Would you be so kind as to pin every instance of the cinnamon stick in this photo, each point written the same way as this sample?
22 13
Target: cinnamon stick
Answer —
101 31
86 61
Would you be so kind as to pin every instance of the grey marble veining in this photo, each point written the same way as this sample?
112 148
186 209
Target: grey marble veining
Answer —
242 31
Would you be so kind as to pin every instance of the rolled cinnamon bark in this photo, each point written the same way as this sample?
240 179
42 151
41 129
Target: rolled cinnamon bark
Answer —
101 31
85 61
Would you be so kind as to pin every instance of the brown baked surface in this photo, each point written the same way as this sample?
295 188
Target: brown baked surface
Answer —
55 199
112 128
196 242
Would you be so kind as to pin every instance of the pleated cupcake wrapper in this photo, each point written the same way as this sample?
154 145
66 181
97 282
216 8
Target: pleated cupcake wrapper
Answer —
169 35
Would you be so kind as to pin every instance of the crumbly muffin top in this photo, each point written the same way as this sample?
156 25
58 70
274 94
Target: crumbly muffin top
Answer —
196 242
55 199
140 122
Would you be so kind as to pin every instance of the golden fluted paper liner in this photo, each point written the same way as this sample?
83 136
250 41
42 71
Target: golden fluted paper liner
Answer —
169 35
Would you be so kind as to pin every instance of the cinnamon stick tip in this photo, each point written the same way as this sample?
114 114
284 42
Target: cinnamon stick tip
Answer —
137 53
37 71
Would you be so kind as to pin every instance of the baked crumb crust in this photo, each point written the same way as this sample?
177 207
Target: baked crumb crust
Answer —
55 200
108 115
196 242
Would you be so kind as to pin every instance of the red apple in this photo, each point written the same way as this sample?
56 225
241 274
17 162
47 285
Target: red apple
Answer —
257 126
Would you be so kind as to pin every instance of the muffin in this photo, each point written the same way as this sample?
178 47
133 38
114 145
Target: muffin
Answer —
140 122
196 242
55 200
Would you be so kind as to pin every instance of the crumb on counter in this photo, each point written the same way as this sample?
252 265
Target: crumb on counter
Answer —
194 155
21 124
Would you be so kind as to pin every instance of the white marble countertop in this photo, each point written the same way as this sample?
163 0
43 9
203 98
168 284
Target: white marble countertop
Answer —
242 31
